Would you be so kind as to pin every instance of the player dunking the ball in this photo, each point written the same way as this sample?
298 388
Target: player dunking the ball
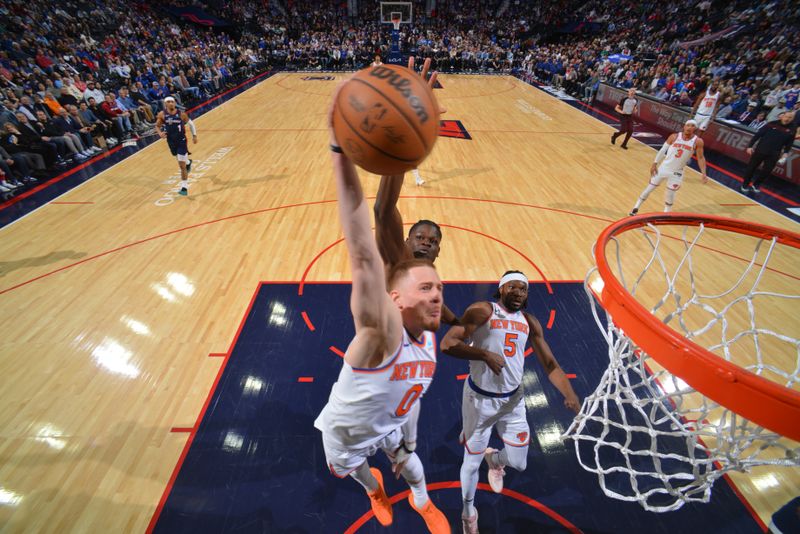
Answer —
493 335
388 365
171 124
670 162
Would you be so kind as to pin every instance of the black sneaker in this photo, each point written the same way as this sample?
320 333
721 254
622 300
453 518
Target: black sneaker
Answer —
755 189
633 212
623 146
745 189
613 139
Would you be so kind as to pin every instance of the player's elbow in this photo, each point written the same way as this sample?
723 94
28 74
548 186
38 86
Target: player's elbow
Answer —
382 210
447 343
365 261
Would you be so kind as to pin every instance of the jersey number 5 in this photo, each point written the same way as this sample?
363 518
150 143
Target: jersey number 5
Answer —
408 400
510 347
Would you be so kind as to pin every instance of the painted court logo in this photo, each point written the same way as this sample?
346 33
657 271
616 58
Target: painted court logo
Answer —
318 78
453 129
199 169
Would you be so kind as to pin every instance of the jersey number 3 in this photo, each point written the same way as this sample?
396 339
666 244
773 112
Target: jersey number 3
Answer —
408 400
510 346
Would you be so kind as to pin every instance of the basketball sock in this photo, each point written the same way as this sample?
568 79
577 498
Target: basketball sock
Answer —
646 193
415 477
184 184
365 478
417 177
669 199
469 481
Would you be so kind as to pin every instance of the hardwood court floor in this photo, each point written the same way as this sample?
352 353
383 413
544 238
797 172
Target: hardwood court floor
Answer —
111 308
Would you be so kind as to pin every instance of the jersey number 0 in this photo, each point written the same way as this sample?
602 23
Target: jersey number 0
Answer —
408 400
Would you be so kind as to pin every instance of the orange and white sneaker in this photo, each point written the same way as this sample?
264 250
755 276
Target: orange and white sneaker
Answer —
381 506
495 474
470 524
434 518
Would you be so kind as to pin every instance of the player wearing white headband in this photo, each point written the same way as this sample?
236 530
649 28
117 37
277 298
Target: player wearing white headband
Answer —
670 162
171 125
493 335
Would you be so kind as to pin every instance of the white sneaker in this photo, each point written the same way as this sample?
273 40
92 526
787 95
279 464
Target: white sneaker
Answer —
496 474
96 149
79 156
5 187
470 524
87 153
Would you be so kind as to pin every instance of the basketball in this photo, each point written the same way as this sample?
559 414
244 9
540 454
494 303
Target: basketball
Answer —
386 119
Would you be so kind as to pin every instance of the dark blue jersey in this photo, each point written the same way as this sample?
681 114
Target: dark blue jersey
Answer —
174 126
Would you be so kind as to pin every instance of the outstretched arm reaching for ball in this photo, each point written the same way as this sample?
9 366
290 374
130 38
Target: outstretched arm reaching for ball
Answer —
389 222
378 323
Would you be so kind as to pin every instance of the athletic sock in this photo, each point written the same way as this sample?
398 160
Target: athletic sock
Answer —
363 476
415 477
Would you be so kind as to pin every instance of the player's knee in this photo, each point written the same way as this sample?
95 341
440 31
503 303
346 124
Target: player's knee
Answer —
517 457
518 463
471 462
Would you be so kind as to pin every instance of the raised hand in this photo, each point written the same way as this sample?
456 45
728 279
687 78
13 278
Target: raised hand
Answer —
426 67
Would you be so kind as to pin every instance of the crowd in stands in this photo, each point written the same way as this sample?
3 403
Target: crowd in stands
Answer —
649 47
79 76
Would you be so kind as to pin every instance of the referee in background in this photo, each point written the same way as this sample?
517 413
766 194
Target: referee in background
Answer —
626 108
772 139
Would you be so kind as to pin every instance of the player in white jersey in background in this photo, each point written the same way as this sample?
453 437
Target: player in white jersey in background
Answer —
706 106
388 365
670 162
493 336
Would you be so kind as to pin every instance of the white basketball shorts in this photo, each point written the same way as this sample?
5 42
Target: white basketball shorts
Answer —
343 461
480 414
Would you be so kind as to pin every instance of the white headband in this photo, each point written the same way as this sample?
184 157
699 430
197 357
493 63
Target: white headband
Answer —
510 277
169 99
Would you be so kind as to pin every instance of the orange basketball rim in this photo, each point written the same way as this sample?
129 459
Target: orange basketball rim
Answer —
758 399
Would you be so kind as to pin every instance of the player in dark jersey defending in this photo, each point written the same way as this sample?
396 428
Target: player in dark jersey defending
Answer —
424 237
171 125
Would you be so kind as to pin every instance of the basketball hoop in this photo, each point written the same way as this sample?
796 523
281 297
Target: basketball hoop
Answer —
396 19
684 398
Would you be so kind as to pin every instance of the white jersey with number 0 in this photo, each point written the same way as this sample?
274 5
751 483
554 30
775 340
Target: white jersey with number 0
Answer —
505 333
678 155
708 103
367 404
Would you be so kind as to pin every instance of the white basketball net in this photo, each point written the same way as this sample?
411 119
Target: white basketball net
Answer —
649 436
